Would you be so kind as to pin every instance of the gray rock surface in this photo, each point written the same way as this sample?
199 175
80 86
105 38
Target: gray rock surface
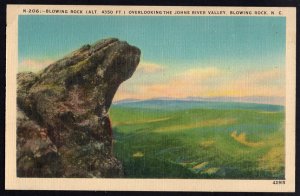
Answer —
63 127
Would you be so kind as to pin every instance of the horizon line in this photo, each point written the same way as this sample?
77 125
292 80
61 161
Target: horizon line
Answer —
276 100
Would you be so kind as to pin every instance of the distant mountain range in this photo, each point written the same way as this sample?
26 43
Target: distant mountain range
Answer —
250 99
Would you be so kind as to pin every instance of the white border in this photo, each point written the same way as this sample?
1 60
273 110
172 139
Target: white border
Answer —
13 182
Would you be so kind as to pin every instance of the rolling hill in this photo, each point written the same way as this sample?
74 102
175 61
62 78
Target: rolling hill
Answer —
199 139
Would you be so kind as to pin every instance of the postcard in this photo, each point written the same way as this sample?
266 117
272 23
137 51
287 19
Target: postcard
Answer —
149 98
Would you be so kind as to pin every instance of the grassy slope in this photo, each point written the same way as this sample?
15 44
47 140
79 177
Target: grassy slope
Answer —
199 143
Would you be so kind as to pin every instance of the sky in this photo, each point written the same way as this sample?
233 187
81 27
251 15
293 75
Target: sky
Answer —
198 56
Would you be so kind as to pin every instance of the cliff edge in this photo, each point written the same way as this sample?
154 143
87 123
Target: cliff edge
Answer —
63 127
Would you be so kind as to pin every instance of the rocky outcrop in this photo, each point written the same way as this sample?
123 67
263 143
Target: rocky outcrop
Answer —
63 127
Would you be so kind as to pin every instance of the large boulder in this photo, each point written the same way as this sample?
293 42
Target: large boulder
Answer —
63 127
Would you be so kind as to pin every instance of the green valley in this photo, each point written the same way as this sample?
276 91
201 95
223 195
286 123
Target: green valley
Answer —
235 142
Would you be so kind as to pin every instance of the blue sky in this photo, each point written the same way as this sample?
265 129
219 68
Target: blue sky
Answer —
223 48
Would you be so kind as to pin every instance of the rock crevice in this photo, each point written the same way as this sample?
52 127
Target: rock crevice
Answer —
63 128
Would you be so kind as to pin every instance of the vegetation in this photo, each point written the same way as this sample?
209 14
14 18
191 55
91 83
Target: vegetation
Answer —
199 143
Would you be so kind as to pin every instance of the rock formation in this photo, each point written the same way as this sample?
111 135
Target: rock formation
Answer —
63 128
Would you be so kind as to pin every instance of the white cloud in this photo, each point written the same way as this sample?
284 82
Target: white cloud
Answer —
191 82
209 82
147 67
269 82
33 65
199 74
